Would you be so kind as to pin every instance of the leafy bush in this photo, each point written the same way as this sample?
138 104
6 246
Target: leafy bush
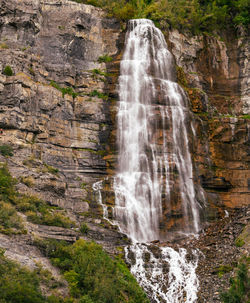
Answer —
50 169
8 71
100 95
239 242
7 189
64 90
10 222
6 150
39 212
240 286
105 58
92 275
18 285
84 228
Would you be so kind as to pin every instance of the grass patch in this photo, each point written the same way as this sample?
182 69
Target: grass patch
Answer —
4 46
84 228
105 59
50 169
98 94
36 210
10 222
245 117
239 242
221 270
64 90
28 181
6 150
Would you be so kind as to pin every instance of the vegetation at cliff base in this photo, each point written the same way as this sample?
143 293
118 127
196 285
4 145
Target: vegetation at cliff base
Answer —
240 287
93 276
18 285
193 15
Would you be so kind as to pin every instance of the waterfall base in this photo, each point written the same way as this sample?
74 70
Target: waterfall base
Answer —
166 275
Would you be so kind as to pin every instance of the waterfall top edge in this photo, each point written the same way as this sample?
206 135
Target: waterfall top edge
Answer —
141 21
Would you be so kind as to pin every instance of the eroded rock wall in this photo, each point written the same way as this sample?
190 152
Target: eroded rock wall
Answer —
217 81
60 41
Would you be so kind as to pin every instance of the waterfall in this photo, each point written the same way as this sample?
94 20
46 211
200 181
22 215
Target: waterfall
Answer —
155 175
154 188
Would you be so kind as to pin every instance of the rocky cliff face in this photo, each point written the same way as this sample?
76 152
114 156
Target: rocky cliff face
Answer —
59 41
217 78
58 109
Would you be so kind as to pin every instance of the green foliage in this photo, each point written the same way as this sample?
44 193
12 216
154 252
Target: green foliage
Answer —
10 222
100 95
221 270
194 16
18 285
84 228
105 58
6 150
92 275
37 210
4 46
7 189
64 90
240 286
8 71
247 117
50 169
239 242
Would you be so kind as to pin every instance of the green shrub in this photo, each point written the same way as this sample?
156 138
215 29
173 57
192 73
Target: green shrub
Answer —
7 71
240 286
195 16
4 46
84 228
239 242
100 95
105 58
6 150
50 169
10 222
92 275
18 285
7 189
221 270
64 90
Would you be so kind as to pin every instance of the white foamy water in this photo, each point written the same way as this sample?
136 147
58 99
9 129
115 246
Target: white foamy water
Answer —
169 277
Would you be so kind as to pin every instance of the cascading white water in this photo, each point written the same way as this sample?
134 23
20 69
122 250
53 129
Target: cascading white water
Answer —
154 166
152 137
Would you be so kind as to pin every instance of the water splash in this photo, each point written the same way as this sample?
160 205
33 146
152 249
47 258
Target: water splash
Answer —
166 275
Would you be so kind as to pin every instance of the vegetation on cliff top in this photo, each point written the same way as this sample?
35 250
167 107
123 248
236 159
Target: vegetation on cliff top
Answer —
195 16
